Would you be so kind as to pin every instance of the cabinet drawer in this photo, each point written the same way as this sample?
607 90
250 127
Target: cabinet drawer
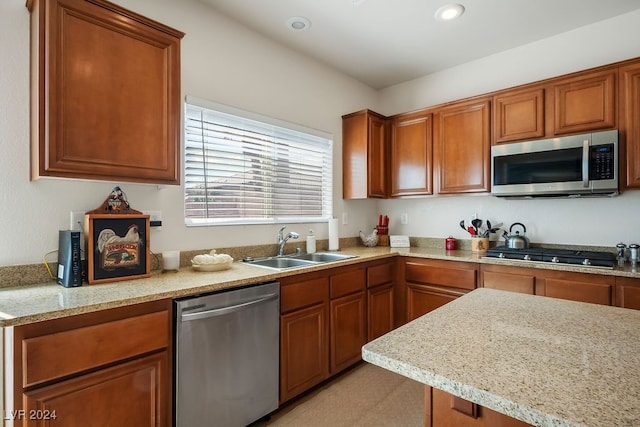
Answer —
61 354
380 274
447 273
596 293
303 294
347 283
509 282
628 292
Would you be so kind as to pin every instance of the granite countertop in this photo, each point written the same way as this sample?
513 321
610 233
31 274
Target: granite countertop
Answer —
541 360
32 303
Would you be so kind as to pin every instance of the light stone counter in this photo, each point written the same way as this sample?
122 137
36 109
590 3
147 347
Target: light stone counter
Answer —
32 303
545 361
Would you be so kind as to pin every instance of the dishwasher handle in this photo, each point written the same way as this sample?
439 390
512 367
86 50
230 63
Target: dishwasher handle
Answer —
186 317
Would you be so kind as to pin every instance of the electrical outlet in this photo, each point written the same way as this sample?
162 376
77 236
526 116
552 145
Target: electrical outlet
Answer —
345 218
404 218
155 218
76 221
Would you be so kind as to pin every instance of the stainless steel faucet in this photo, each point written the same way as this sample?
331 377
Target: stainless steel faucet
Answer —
283 239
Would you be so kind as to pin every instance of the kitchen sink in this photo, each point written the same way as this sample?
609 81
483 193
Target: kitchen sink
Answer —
323 257
296 261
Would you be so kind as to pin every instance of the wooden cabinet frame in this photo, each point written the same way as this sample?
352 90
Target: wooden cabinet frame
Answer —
105 93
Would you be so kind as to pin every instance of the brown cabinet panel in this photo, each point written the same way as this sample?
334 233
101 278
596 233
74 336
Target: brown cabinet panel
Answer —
518 115
445 410
347 282
585 103
512 279
380 311
130 394
348 331
462 147
628 292
364 168
381 273
308 291
630 122
106 87
46 357
579 287
442 273
303 350
422 299
411 155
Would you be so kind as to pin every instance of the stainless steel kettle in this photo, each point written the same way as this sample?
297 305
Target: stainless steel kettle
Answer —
516 241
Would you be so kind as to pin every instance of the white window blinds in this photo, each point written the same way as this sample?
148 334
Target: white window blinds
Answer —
246 170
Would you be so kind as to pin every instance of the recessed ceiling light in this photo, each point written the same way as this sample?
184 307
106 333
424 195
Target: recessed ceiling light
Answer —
449 12
298 23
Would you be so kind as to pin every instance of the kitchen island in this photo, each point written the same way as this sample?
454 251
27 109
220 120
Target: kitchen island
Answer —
545 361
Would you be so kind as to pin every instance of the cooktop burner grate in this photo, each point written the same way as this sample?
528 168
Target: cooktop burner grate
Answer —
558 256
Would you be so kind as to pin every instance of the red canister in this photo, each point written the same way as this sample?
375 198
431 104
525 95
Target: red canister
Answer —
450 243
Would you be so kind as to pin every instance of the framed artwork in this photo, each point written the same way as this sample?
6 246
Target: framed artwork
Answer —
117 247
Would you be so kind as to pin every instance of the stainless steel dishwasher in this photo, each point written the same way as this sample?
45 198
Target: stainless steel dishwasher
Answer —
227 356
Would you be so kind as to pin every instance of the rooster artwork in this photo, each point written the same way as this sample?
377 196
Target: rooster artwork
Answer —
119 251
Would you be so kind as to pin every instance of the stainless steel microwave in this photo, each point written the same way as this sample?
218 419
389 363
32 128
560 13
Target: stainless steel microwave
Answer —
570 166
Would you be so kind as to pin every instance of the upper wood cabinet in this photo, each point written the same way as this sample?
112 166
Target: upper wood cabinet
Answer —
364 155
585 103
462 147
630 122
518 115
411 154
105 93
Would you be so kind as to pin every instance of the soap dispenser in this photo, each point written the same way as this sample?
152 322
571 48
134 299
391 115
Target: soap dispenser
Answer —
311 243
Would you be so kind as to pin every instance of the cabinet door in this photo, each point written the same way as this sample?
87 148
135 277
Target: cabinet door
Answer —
422 299
512 279
348 331
585 103
518 115
107 93
462 147
445 410
411 147
303 350
379 311
628 292
591 288
630 122
131 394
363 155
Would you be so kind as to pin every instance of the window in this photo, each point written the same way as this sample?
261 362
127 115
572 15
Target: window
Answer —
241 168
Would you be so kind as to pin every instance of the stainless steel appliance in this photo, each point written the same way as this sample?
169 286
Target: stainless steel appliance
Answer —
556 256
227 357
577 165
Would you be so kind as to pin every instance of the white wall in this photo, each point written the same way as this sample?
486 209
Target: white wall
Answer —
599 222
255 74
221 61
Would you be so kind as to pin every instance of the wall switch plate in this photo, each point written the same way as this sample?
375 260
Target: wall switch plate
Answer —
404 218
155 218
76 221
345 218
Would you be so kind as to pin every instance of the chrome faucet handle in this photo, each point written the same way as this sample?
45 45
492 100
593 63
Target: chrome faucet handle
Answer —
280 233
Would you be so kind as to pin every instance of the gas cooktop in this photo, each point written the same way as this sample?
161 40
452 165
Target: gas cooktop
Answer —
556 256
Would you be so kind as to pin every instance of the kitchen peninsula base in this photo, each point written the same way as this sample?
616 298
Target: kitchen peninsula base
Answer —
540 360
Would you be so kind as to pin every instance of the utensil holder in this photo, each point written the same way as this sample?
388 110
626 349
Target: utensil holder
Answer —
479 244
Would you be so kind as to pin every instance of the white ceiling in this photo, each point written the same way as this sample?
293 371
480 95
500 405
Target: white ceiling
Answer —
384 42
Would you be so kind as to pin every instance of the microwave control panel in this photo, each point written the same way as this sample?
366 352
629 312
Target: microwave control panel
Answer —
601 162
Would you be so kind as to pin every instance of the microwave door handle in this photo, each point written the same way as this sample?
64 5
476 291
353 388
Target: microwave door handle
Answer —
585 163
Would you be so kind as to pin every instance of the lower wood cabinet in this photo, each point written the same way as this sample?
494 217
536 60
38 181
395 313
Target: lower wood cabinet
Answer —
304 333
445 410
105 368
628 292
584 287
433 283
381 284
